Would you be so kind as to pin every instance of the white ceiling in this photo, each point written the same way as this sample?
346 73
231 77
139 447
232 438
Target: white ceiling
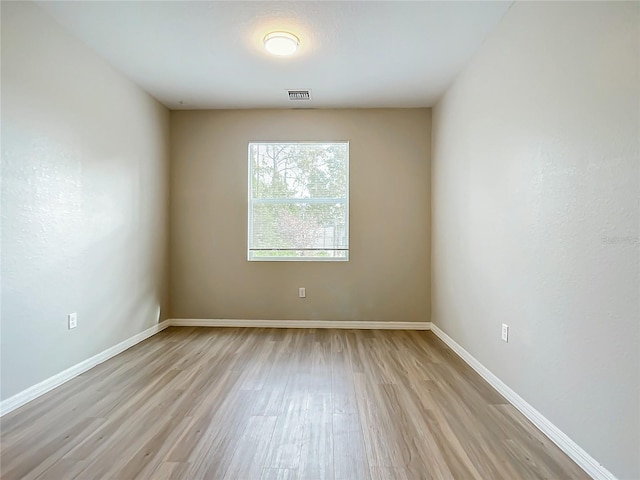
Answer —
352 54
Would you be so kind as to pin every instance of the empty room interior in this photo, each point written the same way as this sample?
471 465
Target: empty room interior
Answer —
320 240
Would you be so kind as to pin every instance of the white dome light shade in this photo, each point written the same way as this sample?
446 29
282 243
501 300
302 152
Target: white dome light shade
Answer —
281 43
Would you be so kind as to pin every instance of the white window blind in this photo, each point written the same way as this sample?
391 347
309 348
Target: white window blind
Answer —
299 201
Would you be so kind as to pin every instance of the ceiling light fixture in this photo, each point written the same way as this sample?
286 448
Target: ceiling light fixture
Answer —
281 43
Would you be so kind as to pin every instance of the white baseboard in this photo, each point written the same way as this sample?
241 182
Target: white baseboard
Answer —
589 464
50 383
568 446
355 325
35 391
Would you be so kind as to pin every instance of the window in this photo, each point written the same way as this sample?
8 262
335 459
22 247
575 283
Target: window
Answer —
299 201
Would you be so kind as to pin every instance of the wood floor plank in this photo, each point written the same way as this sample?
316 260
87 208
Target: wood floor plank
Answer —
342 384
66 468
389 473
249 456
286 443
166 471
279 474
349 454
375 423
211 456
45 451
229 403
316 456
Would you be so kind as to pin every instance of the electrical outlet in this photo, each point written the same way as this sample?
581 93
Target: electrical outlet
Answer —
302 292
505 332
72 320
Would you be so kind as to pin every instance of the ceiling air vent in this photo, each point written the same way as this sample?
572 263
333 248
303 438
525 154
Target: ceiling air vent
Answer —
299 94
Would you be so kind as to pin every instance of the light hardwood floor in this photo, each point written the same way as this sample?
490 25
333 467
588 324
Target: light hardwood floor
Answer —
251 404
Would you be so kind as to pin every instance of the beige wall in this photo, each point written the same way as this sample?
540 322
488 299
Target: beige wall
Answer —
84 201
387 276
535 217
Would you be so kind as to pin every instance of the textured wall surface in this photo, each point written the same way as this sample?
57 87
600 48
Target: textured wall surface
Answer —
535 217
84 201
387 276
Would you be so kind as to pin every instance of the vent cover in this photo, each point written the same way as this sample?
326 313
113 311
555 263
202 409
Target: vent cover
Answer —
299 94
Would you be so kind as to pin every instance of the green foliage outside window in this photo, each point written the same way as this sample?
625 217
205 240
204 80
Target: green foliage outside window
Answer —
298 200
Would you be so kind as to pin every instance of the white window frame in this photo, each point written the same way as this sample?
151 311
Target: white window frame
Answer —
251 202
